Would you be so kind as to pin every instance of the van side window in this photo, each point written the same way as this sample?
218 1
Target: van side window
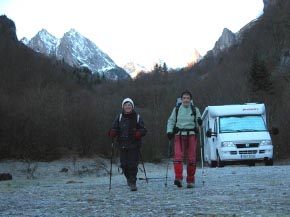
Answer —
215 125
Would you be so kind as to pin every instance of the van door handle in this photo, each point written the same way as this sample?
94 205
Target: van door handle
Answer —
213 139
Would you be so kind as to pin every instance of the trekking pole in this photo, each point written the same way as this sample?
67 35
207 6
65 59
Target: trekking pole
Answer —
201 157
112 152
169 154
143 166
166 174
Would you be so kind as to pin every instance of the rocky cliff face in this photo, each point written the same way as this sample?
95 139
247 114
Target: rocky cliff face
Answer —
270 3
226 40
7 29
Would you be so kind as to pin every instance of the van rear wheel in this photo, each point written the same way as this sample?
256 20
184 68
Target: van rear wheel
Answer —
219 162
213 164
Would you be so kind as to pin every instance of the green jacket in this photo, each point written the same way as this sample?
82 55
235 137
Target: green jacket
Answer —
184 119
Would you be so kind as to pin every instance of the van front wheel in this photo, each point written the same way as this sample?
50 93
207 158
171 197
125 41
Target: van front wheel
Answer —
269 162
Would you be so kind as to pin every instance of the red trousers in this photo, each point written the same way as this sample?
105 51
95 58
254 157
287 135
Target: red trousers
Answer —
185 145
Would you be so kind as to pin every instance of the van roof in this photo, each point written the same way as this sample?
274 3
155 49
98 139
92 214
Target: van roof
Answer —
238 109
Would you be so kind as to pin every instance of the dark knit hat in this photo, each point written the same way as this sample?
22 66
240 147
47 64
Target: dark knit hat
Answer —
186 92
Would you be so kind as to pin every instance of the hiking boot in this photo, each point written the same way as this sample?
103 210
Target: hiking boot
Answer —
190 185
133 186
178 183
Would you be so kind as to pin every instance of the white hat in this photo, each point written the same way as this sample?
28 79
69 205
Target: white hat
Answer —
128 100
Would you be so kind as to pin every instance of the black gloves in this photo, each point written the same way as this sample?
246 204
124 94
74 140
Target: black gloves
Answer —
170 135
199 121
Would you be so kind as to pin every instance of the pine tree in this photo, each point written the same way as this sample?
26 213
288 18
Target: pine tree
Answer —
157 69
259 76
165 69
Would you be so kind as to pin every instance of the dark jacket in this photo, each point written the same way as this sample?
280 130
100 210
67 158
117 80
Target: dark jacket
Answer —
126 128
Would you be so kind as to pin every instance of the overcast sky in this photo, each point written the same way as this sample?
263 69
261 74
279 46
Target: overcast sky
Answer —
142 31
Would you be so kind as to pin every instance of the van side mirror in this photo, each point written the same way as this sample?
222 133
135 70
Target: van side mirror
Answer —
274 131
208 133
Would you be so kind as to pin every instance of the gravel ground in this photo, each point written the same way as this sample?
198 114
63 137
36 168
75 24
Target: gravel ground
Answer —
40 189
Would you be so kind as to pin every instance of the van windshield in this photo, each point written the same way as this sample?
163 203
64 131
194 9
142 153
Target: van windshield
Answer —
250 123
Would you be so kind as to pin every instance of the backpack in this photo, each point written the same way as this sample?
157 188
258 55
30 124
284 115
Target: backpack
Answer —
121 115
178 104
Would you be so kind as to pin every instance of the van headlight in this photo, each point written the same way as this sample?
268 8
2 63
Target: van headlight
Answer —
266 142
228 144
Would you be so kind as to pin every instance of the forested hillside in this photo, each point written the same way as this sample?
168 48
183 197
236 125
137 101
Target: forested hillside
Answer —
47 110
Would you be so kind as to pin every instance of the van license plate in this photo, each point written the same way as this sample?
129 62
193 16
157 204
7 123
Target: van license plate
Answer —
248 156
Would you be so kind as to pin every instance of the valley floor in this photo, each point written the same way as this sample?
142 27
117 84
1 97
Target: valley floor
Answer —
81 188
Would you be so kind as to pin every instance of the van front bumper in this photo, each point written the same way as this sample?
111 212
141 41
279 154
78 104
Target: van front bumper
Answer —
258 154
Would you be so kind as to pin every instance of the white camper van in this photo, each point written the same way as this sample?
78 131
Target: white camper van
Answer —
236 134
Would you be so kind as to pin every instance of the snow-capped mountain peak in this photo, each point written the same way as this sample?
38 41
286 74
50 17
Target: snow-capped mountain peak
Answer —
77 51
44 42
133 69
25 41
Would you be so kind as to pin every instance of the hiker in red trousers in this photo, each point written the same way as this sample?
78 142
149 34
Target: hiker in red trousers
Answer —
182 126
